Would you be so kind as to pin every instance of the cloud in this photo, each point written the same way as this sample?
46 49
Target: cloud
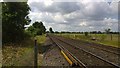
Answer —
83 24
54 7
75 16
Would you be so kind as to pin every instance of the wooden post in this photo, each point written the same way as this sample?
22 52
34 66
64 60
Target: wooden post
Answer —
35 54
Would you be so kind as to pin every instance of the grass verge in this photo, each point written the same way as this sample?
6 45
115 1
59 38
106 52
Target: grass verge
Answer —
40 40
18 54
22 54
101 38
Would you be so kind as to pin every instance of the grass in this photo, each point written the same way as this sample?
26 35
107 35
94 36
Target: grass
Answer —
101 38
40 40
21 54
18 54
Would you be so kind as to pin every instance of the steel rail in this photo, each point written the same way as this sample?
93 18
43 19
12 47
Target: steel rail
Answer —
62 48
103 49
92 54
106 50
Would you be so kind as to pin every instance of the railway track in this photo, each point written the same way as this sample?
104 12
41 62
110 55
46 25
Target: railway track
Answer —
80 56
100 51
98 46
75 59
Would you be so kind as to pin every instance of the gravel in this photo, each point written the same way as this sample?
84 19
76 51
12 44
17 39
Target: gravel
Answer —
53 57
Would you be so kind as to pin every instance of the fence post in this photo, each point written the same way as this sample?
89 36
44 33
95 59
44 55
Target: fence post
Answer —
35 54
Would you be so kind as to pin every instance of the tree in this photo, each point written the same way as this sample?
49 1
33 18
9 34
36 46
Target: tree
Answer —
107 31
40 28
14 18
31 31
37 28
99 32
51 30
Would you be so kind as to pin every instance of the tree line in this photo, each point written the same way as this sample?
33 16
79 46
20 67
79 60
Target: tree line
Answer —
91 32
14 19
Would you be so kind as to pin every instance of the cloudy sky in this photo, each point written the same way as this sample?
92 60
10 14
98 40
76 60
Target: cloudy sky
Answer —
84 15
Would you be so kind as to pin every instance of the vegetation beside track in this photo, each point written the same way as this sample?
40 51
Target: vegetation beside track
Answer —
40 41
17 37
100 38
21 54
18 54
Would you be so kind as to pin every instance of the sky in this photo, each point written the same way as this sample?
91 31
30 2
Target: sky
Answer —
75 15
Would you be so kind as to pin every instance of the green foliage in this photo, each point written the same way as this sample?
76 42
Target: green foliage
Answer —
14 18
86 33
31 31
51 30
37 29
40 39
